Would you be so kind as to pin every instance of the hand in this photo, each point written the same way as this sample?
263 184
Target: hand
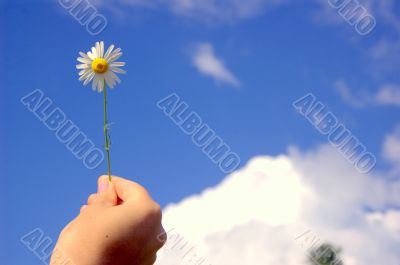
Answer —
120 225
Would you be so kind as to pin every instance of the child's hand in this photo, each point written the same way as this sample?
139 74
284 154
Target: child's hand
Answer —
121 225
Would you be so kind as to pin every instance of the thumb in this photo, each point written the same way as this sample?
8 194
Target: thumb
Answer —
106 194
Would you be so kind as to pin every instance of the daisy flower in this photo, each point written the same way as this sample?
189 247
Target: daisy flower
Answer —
100 67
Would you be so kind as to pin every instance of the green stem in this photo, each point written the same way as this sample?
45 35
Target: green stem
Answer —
106 133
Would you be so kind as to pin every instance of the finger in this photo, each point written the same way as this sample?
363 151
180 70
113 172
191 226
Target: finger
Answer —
128 190
83 208
102 183
67 227
162 237
150 259
91 198
106 194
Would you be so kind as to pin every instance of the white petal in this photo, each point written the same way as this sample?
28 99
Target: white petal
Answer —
109 80
98 49
81 72
91 55
95 81
114 77
100 84
108 52
112 53
84 55
82 66
83 78
117 64
101 49
94 52
113 57
84 60
85 75
89 78
118 70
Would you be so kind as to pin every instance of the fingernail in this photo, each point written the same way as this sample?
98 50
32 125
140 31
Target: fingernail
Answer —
103 186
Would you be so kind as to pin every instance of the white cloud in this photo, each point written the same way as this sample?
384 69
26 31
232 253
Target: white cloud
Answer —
208 11
228 11
222 10
255 214
347 96
391 147
386 95
389 221
206 62
386 10
385 54
391 151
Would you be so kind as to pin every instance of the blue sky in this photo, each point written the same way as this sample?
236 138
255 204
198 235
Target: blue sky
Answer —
276 55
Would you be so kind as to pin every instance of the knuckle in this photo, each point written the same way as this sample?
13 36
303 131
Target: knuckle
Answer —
161 243
67 229
152 259
83 207
91 198
156 212
161 238
102 177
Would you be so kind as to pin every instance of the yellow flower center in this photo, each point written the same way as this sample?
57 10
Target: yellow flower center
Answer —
100 65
